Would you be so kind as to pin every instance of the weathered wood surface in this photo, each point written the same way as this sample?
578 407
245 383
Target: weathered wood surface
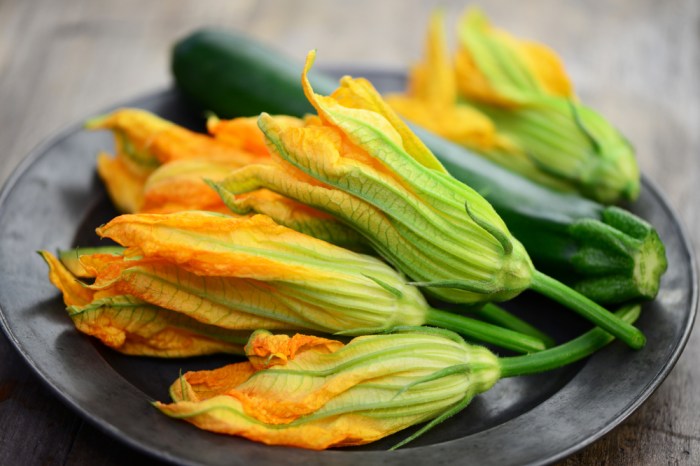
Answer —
638 62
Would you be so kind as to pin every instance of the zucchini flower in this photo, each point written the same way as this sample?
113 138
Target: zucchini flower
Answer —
249 273
161 167
358 161
431 99
523 88
494 67
135 327
316 393
143 142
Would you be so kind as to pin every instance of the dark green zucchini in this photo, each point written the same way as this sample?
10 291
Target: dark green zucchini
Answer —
606 253
233 75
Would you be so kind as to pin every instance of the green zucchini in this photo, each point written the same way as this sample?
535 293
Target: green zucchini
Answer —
233 75
606 253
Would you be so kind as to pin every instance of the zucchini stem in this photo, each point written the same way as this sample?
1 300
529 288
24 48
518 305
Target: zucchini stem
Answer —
497 315
566 353
588 309
484 332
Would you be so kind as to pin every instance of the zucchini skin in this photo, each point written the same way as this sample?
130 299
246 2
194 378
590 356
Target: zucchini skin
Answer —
232 75
606 253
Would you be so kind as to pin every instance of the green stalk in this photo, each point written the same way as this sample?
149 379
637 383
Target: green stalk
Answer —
485 332
542 361
561 293
499 316
567 353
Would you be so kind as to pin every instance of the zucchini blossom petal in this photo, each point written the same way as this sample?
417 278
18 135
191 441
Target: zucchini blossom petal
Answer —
135 327
144 142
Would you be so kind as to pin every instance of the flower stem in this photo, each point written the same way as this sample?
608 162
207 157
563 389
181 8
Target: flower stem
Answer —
566 353
588 309
499 316
484 332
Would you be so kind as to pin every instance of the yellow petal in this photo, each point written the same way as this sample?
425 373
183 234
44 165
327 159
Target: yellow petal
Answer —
297 216
133 327
163 140
223 415
459 123
145 141
243 133
360 95
474 85
74 291
226 302
496 68
180 185
124 185
265 349
434 79
431 97
547 66
232 246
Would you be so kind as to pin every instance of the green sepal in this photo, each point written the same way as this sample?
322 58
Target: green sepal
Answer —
393 290
499 235
473 286
571 145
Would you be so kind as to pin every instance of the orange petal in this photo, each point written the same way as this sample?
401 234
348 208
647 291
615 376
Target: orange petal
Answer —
434 79
124 185
265 349
180 185
459 123
74 291
546 65
223 415
133 327
215 245
360 95
202 385
165 140
358 393
243 133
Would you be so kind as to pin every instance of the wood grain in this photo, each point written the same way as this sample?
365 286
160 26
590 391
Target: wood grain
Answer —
637 62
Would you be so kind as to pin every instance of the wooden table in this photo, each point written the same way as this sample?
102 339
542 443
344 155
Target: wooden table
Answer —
637 62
